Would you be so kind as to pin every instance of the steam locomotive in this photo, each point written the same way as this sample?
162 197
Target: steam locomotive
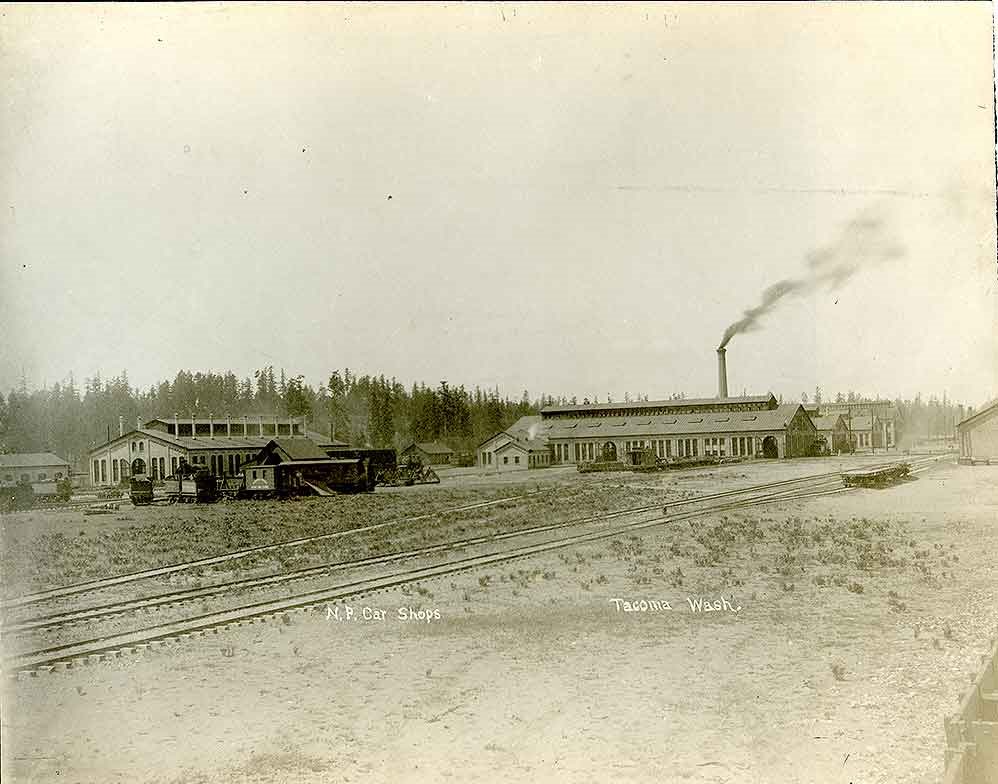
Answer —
353 473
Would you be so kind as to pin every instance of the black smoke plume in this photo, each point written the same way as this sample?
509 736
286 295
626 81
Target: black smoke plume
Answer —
863 242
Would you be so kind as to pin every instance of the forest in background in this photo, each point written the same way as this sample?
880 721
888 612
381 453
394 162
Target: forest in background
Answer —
359 409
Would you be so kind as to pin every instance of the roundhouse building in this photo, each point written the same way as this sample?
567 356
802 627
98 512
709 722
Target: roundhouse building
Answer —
156 447
752 426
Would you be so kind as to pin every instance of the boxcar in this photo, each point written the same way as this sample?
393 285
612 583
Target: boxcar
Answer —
307 477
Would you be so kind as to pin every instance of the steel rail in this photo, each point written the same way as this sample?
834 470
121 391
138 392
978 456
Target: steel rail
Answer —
106 582
173 598
115 644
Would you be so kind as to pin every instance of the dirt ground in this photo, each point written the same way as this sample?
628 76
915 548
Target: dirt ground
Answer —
855 622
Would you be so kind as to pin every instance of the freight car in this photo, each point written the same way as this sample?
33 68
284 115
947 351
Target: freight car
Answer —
380 461
29 495
326 476
307 477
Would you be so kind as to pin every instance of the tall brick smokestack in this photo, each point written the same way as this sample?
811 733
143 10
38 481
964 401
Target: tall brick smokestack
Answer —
722 374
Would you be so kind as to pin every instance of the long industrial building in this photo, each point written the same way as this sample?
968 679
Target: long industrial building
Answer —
734 426
156 447
722 426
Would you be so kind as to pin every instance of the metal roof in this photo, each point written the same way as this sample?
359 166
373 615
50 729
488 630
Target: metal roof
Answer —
681 424
31 460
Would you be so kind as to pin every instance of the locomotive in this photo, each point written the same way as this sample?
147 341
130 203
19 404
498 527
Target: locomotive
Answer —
196 484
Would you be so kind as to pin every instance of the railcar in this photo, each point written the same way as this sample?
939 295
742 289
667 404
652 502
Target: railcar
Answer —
30 495
380 462
307 477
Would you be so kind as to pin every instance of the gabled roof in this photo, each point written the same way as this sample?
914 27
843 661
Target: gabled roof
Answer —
675 424
829 421
531 445
523 429
431 448
31 460
861 423
718 402
986 411
218 443
296 449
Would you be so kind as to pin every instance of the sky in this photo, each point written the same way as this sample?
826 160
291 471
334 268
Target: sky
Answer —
564 199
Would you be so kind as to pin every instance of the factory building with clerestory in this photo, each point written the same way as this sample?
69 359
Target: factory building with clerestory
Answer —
722 426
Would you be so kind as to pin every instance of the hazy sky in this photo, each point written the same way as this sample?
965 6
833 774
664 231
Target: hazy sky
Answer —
565 199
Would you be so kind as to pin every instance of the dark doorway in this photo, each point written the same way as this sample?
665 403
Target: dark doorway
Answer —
769 448
138 466
609 452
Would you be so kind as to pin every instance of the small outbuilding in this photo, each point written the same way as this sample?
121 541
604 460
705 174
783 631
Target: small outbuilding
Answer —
519 455
32 467
978 436
526 428
834 431
430 452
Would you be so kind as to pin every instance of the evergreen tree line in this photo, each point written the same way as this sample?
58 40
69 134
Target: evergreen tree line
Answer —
363 410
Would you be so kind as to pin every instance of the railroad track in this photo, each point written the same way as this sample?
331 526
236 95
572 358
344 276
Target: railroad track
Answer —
174 598
107 582
110 646
91 586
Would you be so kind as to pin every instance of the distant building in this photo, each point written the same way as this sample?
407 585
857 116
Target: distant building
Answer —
518 455
978 436
156 447
751 426
862 431
834 431
430 452
878 420
524 429
32 467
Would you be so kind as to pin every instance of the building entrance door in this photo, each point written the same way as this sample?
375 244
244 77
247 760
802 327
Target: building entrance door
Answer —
769 448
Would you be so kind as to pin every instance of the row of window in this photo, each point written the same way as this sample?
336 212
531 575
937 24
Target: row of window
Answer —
742 446
121 470
542 458
41 476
